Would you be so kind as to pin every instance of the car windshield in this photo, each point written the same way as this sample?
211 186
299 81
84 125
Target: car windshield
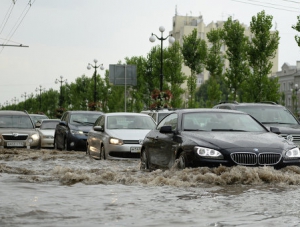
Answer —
49 124
36 118
83 118
130 122
212 121
269 115
13 121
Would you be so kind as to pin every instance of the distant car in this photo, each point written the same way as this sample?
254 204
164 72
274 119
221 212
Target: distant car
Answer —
118 135
37 117
213 137
46 130
269 114
17 130
157 115
71 132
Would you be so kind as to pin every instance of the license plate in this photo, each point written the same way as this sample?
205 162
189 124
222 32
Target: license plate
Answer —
135 150
15 144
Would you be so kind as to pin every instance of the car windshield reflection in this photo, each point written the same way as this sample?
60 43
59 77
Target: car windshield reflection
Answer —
220 122
15 122
130 122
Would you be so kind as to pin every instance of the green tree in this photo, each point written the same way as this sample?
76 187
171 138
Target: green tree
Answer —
261 50
194 51
297 28
173 74
236 54
214 64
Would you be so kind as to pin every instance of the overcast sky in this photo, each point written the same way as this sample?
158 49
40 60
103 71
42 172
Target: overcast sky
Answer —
65 35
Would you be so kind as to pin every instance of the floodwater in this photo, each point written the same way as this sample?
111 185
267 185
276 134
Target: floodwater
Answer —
57 188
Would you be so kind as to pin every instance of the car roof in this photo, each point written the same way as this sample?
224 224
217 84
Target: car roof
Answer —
203 110
125 113
12 112
273 104
83 111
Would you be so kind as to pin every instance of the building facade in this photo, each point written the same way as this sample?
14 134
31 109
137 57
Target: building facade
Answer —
289 81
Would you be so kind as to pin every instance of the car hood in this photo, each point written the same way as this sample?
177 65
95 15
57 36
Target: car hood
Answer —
285 128
84 128
17 130
227 140
128 134
47 132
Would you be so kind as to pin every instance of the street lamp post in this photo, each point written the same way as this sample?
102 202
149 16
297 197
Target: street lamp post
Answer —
24 96
61 81
40 90
296 89
171 40
95 74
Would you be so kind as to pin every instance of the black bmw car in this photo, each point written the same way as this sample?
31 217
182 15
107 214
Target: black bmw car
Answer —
71 132
214 137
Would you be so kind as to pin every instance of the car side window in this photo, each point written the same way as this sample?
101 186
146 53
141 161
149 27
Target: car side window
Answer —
101 121
170 120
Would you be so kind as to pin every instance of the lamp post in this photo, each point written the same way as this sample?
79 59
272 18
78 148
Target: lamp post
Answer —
24 96
40 90
171 40
296 89
61 81
95 74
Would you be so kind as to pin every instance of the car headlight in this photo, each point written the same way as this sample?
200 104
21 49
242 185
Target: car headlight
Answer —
35 136
115 141
205 152
77 132
293 153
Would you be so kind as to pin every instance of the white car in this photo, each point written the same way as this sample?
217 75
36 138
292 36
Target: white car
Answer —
46 130
118 135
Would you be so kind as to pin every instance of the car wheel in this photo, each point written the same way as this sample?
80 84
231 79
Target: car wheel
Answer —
55 145
87 150
144 161
102 153
182 161
66 145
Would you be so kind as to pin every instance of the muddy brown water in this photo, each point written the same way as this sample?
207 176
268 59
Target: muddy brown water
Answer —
60 188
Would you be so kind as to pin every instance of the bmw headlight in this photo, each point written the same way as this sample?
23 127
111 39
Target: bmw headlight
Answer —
35 136
293 153
77 132
205 152
115 141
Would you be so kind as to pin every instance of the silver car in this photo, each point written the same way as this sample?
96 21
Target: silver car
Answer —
118 135
17 130
46 130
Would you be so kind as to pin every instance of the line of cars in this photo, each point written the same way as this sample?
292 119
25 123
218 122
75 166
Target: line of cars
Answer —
183 138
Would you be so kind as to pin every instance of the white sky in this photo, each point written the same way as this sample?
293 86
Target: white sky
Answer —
65 35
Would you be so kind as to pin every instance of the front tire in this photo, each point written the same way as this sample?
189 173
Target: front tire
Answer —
66 145
182 161
144 161
102 153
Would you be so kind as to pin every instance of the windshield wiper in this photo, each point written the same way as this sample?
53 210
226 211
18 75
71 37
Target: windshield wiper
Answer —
276 122
189 129
229 130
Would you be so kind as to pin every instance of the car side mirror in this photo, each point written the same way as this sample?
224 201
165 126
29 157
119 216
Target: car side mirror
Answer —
37 124
275 130
98 128
166 129
63 123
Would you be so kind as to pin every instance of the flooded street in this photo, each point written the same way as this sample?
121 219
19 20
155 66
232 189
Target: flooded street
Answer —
58 188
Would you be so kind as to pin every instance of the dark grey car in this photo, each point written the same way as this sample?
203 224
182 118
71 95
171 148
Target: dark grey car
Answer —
71 132
270 115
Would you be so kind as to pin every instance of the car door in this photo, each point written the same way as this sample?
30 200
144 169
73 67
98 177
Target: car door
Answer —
163 146
60 131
